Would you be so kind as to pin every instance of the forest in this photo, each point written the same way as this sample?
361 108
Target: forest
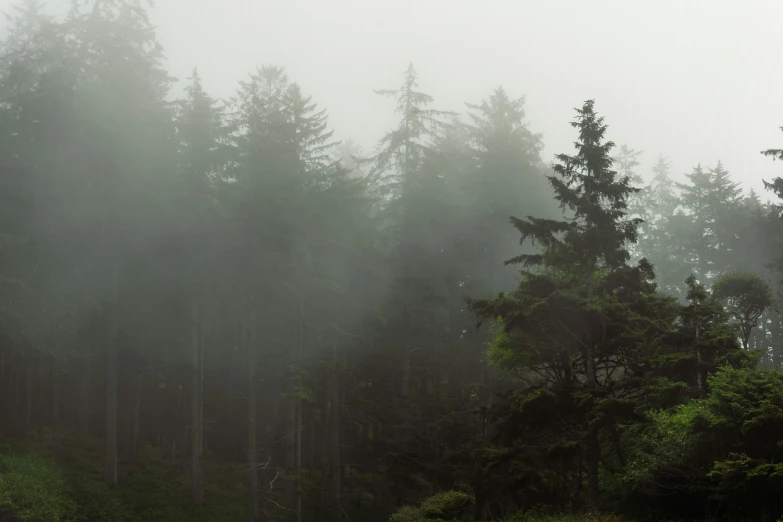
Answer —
212 310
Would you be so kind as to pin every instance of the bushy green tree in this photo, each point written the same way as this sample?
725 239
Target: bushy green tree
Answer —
746 297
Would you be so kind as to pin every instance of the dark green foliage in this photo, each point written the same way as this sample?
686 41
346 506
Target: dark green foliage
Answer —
746 297
45 485
571 324
450 506
719 452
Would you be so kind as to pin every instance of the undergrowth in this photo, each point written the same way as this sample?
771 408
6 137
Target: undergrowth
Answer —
39 484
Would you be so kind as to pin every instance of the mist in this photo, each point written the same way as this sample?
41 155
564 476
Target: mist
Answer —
695 81
390 261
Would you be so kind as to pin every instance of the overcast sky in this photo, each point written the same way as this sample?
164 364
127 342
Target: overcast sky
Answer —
696 80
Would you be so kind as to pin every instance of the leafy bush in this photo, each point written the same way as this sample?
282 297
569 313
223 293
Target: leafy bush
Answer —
407 514
450 506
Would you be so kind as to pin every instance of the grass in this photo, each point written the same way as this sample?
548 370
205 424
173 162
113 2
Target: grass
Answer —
42 484
32 488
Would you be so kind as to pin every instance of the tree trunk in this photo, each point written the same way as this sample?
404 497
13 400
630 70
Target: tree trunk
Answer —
55 399
135 415
335 437
311 433
27 412
298 418
289 428
252 457
85 397
298 462
110 464
593 448
406 370
202 347
699 376
197 492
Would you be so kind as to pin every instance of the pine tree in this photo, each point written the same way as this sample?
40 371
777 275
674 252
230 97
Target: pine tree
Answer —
662 195
401 151
590 243
116 161
698 238
626 162
658 241
726 209
204 153
400 166
509 178
711 202
312 142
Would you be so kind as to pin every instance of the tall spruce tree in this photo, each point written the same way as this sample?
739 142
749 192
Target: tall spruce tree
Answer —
590 243
414 190
204 153
657 241
509 178
626 162
696 237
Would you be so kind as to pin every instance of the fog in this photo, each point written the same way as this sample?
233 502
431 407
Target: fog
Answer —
693 80
390 261
696 81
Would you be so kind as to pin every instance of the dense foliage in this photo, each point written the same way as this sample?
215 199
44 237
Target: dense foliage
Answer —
254 321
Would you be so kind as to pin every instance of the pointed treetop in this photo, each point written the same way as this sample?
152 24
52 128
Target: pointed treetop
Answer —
585 184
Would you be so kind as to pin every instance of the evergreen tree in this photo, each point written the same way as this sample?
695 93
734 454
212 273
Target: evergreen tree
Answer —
626 162
590 243
658 241
204 153
509 177
697 237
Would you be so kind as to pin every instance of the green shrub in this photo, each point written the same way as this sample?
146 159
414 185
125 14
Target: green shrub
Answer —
407 514
450 506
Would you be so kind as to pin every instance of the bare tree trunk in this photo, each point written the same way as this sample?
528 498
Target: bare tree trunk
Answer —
252 456
110 464
197 492
289 428
593 448
135 415
406 370
298 418
298 461
325 431
311 433
85 397
55 397
201 390
27 412
335 437
699 376
775 340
